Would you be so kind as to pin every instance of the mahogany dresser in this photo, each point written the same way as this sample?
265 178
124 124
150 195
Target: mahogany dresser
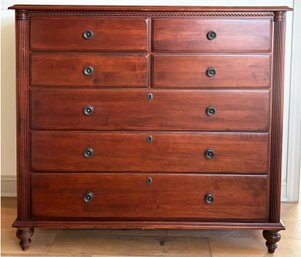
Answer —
149 117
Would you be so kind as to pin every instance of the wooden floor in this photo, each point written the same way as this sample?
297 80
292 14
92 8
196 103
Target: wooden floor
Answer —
117 243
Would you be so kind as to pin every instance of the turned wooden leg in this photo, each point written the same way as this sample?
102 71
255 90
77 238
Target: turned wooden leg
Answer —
25 234
272 238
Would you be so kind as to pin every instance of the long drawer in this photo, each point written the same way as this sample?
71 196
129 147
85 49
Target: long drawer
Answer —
149 196
212 35
148 109
149 152
211 71
88 33
86 69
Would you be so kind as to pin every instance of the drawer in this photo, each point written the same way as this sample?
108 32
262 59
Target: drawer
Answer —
88 33
149 152
89 70
212 35
211 71
93 109
149 196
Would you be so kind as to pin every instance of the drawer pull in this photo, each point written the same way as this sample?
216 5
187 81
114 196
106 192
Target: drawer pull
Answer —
88 34
88 110
210 111
88 197
150 96
88 70
211 35
209 198
89 152
149 181
149 139
211 72
209 154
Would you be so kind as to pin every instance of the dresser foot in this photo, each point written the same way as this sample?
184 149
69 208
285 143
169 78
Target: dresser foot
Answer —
271 237
25 234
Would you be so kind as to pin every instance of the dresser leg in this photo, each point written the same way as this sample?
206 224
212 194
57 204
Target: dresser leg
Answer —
272 238
25 234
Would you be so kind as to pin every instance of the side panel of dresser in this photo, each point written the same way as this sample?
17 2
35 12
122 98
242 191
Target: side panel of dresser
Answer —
23 149
272 236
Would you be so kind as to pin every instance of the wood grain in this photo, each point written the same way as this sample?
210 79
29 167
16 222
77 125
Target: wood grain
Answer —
109 70
151 8
115 34
169 152
168 110
277 116
136 51
129 197
232 71
166 224
22 95
233 35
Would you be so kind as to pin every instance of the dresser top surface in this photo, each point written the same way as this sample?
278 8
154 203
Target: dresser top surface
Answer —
150 8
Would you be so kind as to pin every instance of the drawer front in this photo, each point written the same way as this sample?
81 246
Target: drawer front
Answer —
89 70
195 71
149 196
212 35
166 110
149 152
89 33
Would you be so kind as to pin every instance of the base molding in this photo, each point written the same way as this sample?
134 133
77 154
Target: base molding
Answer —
191 225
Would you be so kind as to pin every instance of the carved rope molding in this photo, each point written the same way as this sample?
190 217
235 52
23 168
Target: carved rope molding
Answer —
143 13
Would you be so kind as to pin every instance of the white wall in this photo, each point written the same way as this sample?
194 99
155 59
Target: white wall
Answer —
8 104
294 119
8 164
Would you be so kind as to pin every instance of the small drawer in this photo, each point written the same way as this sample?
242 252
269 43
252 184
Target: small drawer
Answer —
211 71
89 70
212 35
136 109
88 33
149 196
149 152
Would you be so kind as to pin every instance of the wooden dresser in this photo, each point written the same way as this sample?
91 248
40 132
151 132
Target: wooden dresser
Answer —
149 117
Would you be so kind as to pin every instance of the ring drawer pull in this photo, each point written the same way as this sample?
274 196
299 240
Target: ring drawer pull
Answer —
89 152
88 197
149 139
88 70
210 111
209 198
209 153
88 110
88 34
211 72
211 35
149 181
150 96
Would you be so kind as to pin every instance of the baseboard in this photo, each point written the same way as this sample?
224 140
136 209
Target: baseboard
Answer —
284 191
8 186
